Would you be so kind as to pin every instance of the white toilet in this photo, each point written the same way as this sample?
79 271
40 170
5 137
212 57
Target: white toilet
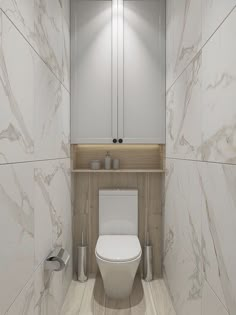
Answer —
118 251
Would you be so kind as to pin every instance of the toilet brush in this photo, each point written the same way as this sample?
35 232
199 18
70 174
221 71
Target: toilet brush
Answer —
82 254
82 261
148 255
147 260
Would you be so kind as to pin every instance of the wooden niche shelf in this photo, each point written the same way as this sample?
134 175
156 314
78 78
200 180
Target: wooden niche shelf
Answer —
117 171
133 158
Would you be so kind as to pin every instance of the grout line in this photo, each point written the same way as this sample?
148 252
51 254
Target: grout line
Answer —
48 66
216 294
21 290
31 277
33 161
184 69
200 49
200 161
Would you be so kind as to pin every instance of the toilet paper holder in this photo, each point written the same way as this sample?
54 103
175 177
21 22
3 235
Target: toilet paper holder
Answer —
57 260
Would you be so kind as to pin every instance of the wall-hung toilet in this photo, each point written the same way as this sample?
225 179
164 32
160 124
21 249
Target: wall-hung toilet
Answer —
118 251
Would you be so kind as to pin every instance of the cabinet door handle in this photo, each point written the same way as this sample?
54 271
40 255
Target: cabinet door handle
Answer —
114 140
120 140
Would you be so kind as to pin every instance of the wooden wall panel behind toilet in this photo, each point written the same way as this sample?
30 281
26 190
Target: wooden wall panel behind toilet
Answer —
87 187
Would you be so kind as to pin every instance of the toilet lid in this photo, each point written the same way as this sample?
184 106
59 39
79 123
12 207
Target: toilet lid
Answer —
118 248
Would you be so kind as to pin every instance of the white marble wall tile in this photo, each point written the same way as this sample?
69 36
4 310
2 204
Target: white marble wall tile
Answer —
49 35
16 230
65 241
35 116
212 134
218 230
66 43
34 124
211 305
184 113
51 115
21 13
65 123
213 14
184 281
219 93
48 292
46 26
183 208
183 35
182 248
24 303
52 204
16 95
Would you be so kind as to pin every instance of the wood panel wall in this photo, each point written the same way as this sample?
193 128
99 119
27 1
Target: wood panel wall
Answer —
86 192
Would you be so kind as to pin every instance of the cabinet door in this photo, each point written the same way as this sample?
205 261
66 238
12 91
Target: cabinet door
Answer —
93 101
141 99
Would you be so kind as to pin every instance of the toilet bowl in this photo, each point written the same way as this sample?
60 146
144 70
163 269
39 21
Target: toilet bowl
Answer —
118 251
118 258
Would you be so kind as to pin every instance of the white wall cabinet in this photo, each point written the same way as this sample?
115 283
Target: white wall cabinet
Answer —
118 71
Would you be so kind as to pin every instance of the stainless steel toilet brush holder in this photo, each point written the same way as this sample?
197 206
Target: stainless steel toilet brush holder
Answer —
82 263
147 263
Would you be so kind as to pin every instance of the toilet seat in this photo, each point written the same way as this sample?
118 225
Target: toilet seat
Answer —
118 248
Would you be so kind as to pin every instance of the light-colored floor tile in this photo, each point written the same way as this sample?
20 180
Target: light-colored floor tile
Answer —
99 297
161 298
118 307
74 298
149 303
147 298
137 300
88 299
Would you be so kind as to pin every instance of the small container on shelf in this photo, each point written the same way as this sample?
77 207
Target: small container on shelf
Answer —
95 165
107 161
116 164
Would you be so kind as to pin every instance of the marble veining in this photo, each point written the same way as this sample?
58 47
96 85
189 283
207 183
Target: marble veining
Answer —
43 181
204 254
183 36
219 92
35 113
34 130
22 15
16 230
66 42
47 34
16 114
184 110
182 232
217 184
204 92
45 25
52 115
52 195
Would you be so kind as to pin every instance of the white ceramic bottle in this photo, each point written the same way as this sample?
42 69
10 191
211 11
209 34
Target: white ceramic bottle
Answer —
107 162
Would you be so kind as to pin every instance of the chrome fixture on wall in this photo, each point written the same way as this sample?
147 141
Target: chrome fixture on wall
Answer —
57 260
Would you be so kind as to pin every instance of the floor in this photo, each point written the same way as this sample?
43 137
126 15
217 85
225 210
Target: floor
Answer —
147 298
